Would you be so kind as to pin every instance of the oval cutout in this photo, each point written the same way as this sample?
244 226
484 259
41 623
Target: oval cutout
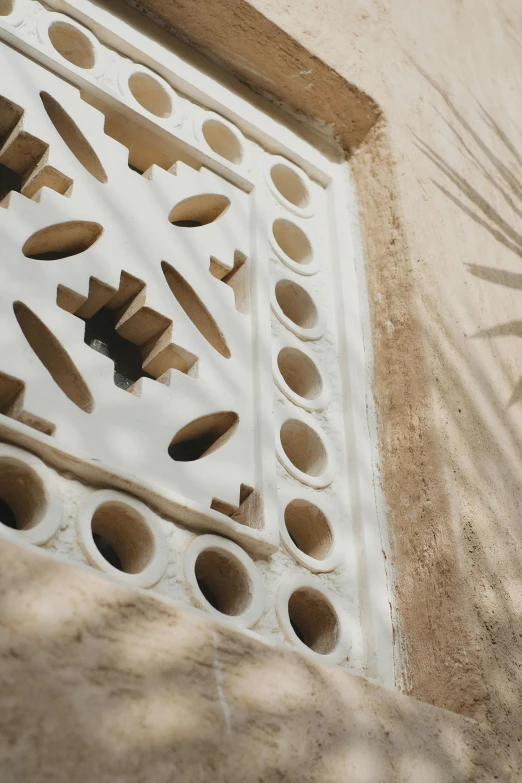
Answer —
73 137
195 309
62 240
150 94
199 210
54 357
222 140
72 44
203 436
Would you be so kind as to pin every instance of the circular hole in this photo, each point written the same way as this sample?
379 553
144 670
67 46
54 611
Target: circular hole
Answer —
22 496
72 44
6 7
290 185
296 304
303 447
292 241
223 581
313 620
222 141
300 373
122 537
308 528
150 94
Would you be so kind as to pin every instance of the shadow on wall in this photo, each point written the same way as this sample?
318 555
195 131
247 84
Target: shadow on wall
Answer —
504 175
102 683
483 454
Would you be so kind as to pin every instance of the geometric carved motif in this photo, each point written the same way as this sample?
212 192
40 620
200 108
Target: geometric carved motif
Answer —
129 346
180 346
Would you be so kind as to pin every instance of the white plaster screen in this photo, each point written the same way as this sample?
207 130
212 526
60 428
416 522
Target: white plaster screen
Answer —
182 381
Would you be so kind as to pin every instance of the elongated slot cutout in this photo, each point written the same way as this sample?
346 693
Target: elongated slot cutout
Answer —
195 309
54 357
62 240
73 137
203 436
199 210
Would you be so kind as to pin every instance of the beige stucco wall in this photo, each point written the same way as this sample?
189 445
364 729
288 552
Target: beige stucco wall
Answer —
98 683
101 683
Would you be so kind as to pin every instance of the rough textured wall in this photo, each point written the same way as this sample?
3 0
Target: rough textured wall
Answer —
101 683
440 188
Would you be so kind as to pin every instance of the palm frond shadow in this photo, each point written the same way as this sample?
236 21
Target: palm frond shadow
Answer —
504 175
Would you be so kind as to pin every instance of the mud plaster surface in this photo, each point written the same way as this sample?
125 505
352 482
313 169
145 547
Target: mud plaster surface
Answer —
102 683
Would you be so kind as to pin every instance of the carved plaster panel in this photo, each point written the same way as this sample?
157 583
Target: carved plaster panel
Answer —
182 379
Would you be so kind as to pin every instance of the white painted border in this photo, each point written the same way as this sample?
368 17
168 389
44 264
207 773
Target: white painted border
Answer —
350 285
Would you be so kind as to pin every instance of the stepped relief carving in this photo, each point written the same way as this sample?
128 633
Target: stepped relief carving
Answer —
150 272
24 158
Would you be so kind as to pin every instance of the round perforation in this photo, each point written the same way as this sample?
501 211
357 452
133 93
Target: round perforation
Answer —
298 376
150 94
72 43
293 246
224 580
296 309
30 504
308 535
13 11
122 537
289 185
301 447
6 7
312 620
221 137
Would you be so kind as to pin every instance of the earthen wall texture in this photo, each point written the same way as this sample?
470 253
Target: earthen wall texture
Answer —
100 683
